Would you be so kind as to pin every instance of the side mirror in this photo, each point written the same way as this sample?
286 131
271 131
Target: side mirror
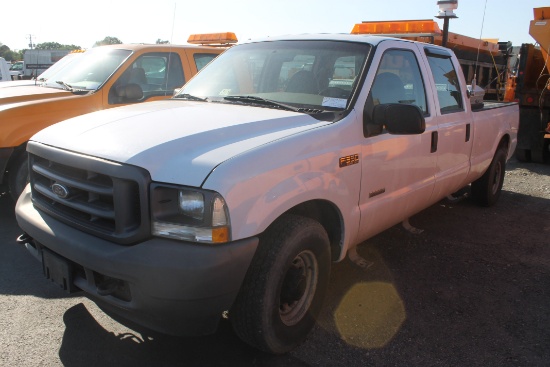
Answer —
132 92
399 119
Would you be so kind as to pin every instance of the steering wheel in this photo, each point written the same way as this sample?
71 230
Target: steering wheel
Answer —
335 92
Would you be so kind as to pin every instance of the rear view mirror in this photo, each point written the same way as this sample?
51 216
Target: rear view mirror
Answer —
399 119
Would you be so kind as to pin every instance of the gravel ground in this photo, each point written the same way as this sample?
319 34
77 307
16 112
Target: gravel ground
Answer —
473 289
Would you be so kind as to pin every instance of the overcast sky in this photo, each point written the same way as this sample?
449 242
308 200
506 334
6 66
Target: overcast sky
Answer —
82 23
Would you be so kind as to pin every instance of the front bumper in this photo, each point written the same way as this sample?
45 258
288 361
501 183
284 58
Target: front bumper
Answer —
173 287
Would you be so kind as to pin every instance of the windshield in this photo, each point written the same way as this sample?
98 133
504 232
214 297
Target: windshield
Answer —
58 66
90 70
18 66
313 74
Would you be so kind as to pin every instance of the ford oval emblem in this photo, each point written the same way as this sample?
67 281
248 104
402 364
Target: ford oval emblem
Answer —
60 190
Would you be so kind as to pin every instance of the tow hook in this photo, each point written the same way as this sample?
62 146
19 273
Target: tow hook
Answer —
108 286
23 239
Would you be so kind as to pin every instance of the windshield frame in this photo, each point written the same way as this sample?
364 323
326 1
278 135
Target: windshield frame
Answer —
325 50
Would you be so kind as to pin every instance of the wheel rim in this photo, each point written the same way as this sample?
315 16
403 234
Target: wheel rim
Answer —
298 289
496 178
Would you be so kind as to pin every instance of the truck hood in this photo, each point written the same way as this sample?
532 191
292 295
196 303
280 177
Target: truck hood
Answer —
176 141
17 83
24 93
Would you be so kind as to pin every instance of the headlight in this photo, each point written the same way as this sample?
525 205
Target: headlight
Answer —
189 214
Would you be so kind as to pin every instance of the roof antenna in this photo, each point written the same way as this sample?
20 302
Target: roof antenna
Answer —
170 52
173 22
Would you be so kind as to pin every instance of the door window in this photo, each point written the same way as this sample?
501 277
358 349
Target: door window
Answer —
446 83
157 74
201 60
398 80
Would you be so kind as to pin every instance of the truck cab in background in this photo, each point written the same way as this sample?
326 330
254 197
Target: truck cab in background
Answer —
100 78
16 70
530 86
505 72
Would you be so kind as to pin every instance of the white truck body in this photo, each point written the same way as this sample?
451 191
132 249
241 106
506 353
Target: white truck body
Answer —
66 60
4 70
330 163
35 62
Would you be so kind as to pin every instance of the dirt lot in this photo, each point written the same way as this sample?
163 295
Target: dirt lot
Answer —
473 289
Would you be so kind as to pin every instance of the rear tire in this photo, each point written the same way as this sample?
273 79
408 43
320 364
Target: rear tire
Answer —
18 175
486 190
523 155
284 287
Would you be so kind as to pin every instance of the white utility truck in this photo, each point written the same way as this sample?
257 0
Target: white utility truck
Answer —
233 198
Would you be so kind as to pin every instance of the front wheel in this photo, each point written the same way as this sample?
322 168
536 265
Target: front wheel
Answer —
486 189
284 287
18 176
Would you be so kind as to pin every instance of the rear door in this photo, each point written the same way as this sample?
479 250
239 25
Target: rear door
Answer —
454 130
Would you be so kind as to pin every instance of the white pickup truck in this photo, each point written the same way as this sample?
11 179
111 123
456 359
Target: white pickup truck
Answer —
233 198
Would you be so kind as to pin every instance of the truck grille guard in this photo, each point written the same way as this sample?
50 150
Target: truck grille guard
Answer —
100 197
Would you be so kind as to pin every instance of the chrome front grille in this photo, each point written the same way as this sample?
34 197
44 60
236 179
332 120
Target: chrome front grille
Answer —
101 197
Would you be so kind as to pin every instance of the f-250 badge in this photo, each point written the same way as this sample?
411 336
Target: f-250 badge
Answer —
349 160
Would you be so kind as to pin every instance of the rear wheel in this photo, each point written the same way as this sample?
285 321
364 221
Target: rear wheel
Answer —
18 175
284 288
523 155
486 190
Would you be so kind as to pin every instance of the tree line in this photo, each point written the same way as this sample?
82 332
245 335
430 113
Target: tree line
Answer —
11 55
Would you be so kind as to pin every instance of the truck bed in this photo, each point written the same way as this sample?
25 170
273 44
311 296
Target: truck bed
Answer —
490 105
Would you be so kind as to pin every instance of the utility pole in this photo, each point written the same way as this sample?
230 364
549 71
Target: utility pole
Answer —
31 45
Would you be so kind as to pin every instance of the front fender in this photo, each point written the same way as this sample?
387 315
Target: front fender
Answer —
20 121
263 183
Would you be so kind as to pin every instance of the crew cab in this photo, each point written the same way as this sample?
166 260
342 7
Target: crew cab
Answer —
233 198
100 78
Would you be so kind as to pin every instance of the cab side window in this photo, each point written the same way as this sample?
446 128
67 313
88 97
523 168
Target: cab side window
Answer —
398 80
446 83
156 74
201 60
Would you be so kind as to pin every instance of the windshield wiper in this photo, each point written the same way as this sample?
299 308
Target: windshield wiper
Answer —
190 97
71 89
262 101
271 103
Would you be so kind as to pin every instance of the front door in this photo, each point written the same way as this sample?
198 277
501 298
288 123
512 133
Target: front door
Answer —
397 170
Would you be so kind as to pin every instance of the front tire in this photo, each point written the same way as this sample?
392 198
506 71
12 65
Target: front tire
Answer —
486 189
18 175
284 287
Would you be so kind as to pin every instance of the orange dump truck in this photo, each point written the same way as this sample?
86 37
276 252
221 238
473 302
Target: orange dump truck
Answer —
504 72
529 85
485 60
101 78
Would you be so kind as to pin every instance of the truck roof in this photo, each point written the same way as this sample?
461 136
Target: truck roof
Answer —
141 46
374 40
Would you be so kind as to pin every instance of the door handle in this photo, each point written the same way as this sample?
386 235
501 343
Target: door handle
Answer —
467 132
434 142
